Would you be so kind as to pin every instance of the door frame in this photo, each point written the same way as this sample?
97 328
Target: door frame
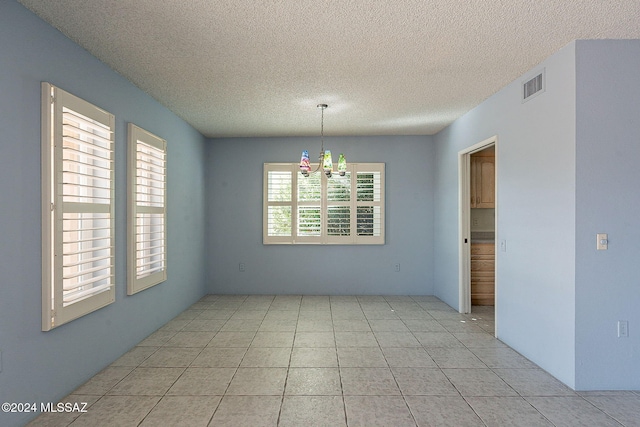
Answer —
464 223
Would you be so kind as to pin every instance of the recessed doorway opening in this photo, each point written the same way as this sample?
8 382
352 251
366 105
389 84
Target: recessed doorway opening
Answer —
477 167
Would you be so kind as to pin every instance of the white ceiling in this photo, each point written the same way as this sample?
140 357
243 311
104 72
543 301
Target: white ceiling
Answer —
389 67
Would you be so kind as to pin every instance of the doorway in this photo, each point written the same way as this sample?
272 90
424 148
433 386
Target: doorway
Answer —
477 168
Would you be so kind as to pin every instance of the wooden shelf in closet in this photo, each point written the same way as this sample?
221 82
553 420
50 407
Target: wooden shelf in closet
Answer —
482 273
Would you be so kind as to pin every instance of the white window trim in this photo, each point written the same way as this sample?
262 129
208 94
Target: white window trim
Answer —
156 269
54 208
324 238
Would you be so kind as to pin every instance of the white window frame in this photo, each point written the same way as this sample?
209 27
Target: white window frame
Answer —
146 210
78 263
292 171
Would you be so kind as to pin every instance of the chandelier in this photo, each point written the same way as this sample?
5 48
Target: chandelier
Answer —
324 160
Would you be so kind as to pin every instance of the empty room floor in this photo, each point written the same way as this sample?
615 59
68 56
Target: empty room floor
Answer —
301 361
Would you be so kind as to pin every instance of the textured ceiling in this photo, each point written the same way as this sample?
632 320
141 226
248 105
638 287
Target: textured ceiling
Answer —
388 67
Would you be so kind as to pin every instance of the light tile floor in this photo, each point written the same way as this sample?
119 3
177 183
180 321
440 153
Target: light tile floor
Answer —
333 361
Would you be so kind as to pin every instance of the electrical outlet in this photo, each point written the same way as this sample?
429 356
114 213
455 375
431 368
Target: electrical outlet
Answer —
623 329
397 267
503 245
602 241
242 267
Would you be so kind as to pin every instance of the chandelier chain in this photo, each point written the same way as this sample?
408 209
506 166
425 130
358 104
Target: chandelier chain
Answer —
322 107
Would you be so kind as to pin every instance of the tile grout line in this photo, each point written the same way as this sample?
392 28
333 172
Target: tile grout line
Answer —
234 373
179 376
404 399
284 389
335 342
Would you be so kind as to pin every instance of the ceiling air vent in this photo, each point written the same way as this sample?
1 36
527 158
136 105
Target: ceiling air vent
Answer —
533 87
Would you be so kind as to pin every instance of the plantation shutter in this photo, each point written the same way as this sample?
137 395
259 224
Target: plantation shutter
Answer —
309 208
339 208
146 236
277 204
370 203
78 209
346 210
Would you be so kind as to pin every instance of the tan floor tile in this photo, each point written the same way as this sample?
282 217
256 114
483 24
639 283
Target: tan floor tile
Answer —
356 339
351 325
396 339
361 357
313 382
478 382
565 411
314 357
258 381
135 356
314 339
318 360
254 411
507 411
368 382
377 411
157 339
261 357
219 357
445 411
533 382
117 411
232 339
104 381
189 339
312 411
503 357
625 407
80 404
204 325
313 325
388 325
172 357
423 382
455 357
273 339
409 357
194 411
147 381
202 381
242 325
438 340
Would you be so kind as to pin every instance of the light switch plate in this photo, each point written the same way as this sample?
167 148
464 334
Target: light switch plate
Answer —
602 241
623 329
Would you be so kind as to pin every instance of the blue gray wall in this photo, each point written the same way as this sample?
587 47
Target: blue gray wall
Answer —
45 366
234 185
535 155
567 168
608 201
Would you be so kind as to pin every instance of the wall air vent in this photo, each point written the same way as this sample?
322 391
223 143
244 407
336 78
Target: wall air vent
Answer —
533 87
